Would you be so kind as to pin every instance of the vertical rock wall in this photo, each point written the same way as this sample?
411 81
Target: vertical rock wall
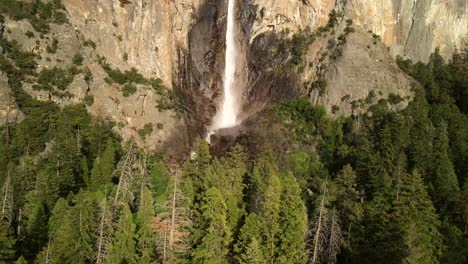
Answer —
414 28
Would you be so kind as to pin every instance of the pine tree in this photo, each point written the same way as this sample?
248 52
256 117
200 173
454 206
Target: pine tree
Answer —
214 243
123 246
293 221
266 199
36 226
381 229
103 167
196 168
248 247
444 180
73 240
347 200
21 260
7 243
418 220
146 239
236 169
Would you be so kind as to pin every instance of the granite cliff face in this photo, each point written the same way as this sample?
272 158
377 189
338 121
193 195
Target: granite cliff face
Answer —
414 28
181 42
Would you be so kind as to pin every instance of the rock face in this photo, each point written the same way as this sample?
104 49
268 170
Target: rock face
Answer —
146 32
414 28
360 77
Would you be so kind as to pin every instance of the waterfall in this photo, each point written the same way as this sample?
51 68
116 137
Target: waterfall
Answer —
227 114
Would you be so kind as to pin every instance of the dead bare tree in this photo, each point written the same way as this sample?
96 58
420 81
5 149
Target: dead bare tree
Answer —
125 172
327 236
335 237
319 228
105 231
7 199
172 224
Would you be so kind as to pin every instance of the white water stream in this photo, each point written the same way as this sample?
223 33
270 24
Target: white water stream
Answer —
226 115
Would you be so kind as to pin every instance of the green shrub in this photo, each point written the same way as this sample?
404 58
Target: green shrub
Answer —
78 59
335 109
88 100
58 78
128 89
146 130
29 34
89 43
38 13
52 49
394 98
130 77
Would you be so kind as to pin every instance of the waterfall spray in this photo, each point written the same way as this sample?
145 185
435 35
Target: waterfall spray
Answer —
227 114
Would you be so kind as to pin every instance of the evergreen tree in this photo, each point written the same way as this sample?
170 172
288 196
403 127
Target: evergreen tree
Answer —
418 220
348 202
103 166
293 221
421 133
235 169
248 247
214 243
123 246
383 240
21 260
36 226
146 238
7 242
266 191
444 181
74 239
196 168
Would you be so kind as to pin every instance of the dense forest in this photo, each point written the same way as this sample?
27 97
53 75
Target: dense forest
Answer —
383 186
380 187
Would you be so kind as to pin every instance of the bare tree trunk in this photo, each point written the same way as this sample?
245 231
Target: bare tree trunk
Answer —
105 232
7 199
319 226
335 238
47 252
78 140
173 214
125 173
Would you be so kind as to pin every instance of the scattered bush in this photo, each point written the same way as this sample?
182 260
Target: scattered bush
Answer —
394 98
58 78
128 89
38 13
78 59
89 43
335 109
146 130
29 34
52 49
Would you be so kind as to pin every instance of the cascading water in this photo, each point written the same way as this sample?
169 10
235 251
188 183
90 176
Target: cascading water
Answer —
227 114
